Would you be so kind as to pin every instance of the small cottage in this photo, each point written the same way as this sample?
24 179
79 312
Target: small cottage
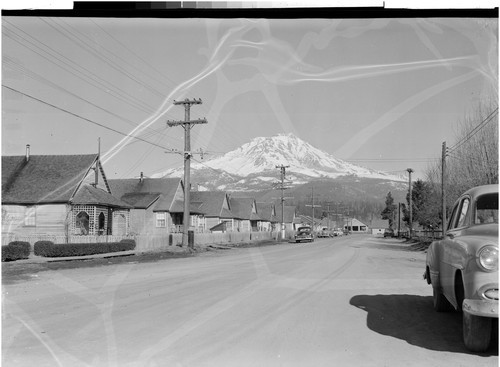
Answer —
59 195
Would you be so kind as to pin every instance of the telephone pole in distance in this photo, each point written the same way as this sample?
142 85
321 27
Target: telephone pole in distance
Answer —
187 124
282 187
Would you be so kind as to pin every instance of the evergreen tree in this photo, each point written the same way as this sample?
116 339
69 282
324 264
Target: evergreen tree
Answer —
390 210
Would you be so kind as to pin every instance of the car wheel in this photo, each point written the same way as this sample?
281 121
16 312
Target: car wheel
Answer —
440 303
477 332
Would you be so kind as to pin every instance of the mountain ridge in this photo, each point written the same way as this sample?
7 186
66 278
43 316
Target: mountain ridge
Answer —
255 163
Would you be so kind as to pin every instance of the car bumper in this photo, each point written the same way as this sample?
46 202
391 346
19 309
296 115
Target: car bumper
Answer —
481 307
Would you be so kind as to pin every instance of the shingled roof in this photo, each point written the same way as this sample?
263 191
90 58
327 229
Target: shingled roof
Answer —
242 208
90 195
211 203
43 179
142 193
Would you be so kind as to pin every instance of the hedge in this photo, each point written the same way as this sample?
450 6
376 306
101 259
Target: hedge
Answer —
16 250
49 249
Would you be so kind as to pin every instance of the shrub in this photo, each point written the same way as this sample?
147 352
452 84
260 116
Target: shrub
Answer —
48 249
16 250
41 247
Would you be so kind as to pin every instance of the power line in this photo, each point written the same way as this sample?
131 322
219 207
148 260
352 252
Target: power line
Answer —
86 119
474 131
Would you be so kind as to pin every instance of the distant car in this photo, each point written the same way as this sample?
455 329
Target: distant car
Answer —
304 234
463 267
338 232
388 232
325 232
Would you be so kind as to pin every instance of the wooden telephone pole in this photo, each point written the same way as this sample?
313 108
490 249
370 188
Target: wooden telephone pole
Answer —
281 186
443 188
187 124
313 206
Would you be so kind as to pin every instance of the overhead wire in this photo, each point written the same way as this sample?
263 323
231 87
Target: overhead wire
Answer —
474 131
86 119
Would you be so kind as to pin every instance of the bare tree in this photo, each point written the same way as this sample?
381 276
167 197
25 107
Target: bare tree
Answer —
472 159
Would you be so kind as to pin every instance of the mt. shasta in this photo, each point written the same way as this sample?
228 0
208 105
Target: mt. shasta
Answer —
253 166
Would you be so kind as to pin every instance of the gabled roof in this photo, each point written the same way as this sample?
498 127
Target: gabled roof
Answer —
265 211
289 215
140 200
43 179
211 203
242 208
90 195
145 192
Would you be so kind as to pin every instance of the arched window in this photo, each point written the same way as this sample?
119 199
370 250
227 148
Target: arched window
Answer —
102 220
82 223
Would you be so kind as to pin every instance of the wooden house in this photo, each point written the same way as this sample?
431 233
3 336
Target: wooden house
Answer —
288 217
157 204
245 214
59 195
215 208
267 214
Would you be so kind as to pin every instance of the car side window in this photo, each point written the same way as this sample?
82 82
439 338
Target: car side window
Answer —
464 207
453 218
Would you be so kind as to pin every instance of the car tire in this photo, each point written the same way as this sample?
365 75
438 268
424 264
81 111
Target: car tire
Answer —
476 332
439 301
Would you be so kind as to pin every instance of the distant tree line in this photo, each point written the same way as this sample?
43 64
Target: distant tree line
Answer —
471 160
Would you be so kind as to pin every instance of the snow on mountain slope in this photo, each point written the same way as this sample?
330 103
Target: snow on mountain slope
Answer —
258 160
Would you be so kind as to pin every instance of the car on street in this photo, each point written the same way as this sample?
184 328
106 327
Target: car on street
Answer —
304 234
463 266
338 232
325 232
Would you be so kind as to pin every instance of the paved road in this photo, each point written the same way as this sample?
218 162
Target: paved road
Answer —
351 301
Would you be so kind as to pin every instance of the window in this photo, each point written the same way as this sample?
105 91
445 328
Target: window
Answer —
82 223
161 219
487 209
30 216
102 222
463 213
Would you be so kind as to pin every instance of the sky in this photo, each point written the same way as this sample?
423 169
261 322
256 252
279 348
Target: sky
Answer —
382 93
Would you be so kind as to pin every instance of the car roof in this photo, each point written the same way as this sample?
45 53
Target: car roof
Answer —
480 190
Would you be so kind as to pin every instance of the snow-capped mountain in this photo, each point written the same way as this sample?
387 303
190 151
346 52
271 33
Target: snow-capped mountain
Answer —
254 164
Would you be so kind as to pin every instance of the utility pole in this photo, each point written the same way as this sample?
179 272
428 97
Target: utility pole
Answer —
399 220
313 206
410 202
443 188
281 186
187 124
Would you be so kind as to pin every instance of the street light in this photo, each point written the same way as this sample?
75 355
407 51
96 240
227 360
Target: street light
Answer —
410 201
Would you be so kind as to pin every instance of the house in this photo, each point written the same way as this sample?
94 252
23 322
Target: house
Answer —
353 225
245 214
215 208
59 195
157 204
378 226
267 214
287 216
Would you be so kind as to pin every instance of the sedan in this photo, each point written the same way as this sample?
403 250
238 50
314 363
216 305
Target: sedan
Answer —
304 234
463 266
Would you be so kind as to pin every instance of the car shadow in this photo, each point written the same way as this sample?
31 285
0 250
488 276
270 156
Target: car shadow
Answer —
412 318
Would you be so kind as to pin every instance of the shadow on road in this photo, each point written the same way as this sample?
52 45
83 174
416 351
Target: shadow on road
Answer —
412 318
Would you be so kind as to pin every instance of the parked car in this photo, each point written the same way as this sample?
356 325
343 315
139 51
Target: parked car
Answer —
304 234
338 232
463 267
325 232
388 232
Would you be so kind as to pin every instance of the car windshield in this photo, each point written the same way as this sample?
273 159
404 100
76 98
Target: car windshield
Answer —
304 229
487 209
